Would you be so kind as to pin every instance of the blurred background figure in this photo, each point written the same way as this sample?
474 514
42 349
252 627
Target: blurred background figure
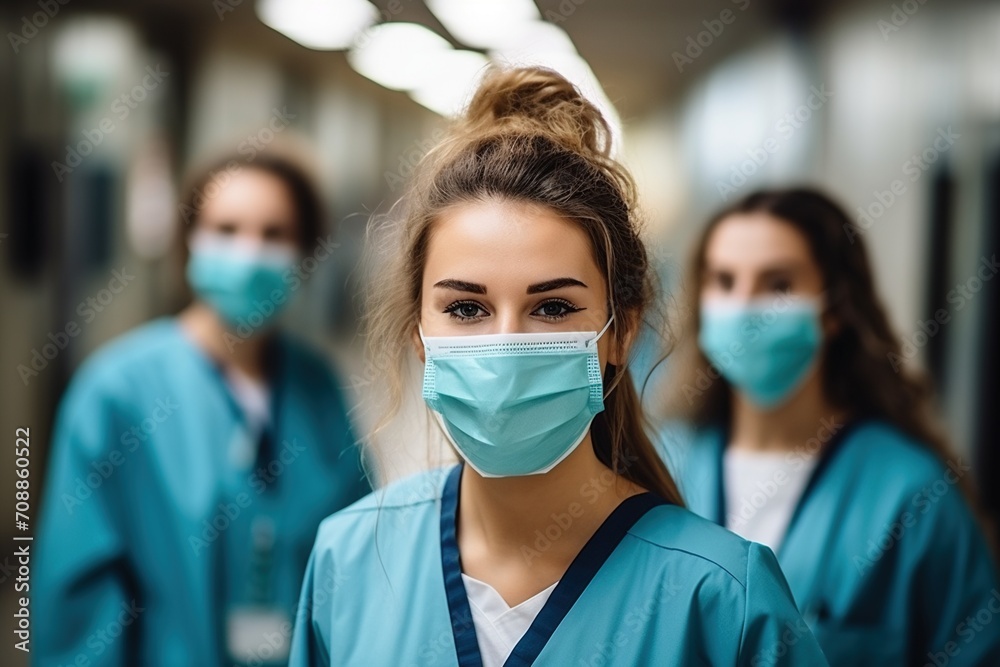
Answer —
194 457
811 440
893 106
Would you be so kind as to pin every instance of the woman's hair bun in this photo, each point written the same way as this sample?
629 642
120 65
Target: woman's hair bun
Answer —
536 100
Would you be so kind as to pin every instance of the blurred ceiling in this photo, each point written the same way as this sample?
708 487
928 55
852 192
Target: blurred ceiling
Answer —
628 43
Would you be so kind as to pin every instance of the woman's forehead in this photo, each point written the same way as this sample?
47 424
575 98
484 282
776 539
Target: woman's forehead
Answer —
508 242
750 239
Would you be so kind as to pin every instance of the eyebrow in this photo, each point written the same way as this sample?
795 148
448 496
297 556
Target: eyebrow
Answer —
775 269
781 269
537 288
461 286
554 284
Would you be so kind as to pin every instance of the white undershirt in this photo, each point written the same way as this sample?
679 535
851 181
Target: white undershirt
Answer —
762 490
254 399
252 395
498 626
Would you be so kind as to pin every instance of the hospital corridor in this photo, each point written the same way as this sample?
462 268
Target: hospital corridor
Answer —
485 333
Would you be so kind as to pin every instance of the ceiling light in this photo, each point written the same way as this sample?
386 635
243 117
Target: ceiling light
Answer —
532 38
318 24
399 56
456 78
483 24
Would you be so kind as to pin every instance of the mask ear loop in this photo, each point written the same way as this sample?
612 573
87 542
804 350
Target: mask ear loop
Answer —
602 332
596 338
423 339
607 325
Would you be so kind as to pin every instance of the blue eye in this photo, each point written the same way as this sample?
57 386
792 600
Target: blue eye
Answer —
555 309
466 310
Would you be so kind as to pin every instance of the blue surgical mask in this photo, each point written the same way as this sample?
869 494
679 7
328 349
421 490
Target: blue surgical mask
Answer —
514 404
765 348
244 283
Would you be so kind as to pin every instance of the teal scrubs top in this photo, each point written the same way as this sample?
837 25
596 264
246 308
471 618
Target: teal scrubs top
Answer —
656 585
883 555
169 529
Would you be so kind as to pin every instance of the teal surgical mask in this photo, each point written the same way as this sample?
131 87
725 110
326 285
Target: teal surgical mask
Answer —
765 348
514 404
243 282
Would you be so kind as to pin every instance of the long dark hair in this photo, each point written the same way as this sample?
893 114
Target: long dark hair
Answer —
861 368
530 136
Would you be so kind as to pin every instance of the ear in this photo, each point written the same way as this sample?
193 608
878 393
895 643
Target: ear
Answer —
623 332
830 322
418 345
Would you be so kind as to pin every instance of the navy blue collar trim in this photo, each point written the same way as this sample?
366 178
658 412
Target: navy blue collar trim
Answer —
581 572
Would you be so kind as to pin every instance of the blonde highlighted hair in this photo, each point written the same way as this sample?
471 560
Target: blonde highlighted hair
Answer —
528 136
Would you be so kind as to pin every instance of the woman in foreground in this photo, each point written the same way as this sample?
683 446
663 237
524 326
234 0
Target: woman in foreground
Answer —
561 538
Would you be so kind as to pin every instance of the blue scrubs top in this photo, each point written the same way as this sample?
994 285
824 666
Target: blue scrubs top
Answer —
656 585
885 559
166 524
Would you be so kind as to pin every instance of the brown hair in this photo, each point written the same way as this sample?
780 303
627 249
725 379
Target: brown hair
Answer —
306 198
861 361
529 135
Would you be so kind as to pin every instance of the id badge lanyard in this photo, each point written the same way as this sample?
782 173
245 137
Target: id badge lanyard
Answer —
253 620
